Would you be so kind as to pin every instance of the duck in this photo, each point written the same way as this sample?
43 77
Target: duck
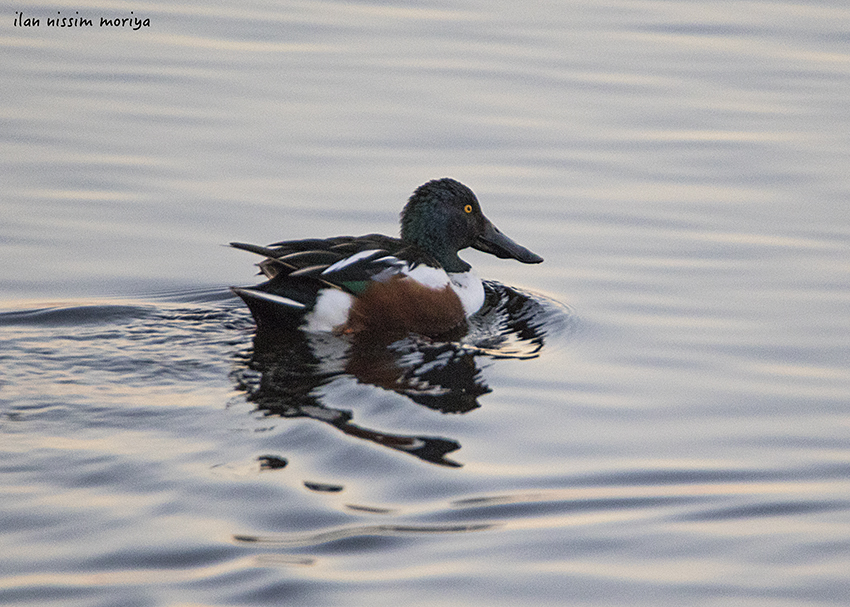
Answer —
416 283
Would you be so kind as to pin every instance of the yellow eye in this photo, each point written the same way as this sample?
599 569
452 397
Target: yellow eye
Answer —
467 208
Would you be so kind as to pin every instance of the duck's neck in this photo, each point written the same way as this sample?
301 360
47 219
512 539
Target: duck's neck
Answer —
432 232
453 264
433 243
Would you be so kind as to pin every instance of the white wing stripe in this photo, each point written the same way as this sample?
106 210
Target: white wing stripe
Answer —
342 263
275 298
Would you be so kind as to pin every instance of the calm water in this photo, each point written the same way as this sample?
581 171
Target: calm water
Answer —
667 424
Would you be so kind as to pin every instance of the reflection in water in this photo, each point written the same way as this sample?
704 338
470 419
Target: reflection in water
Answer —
361 531
287 367
272 462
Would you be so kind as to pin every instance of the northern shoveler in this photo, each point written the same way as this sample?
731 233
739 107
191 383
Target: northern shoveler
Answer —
416 283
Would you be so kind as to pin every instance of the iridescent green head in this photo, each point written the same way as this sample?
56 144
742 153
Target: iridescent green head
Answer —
443 217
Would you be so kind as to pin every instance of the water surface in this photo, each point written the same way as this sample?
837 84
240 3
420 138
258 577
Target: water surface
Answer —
678 434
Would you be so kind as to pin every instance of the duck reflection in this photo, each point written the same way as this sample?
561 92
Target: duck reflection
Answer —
288 367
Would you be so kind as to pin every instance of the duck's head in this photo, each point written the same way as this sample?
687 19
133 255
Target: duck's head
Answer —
443 216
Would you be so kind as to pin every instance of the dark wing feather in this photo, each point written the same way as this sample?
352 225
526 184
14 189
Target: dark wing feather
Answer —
324 260
298 270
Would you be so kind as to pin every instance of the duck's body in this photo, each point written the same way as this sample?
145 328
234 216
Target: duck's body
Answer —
415 283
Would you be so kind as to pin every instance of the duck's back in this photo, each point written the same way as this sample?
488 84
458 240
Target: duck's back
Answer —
363 282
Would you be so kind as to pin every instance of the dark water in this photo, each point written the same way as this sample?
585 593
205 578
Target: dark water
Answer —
656 415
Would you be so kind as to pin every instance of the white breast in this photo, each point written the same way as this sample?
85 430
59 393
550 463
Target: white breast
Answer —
467 285
434 278
469 288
